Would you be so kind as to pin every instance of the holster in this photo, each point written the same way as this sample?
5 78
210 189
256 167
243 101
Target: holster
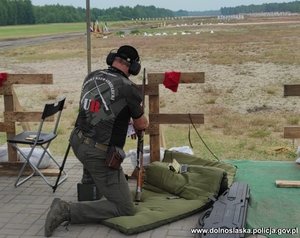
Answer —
115 156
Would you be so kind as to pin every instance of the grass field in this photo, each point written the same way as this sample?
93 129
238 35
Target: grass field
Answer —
246 66
25 31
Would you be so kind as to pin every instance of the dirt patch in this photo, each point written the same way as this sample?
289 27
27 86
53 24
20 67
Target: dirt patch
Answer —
239 88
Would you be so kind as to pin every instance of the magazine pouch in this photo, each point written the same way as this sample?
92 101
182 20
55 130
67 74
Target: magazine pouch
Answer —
115 156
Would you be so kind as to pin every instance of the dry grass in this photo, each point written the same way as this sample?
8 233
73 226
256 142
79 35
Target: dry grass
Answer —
243 105
276 43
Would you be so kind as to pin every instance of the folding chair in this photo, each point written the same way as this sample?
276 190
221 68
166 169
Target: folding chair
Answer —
39 139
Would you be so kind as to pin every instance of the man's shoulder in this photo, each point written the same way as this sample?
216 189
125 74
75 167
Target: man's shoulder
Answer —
100 72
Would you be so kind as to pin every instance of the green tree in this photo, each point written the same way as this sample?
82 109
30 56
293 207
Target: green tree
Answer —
3 12
268 7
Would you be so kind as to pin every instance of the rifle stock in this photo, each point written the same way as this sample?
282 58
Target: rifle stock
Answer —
140 152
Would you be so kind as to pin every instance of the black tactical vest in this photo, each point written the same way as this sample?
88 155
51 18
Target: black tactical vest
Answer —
101 102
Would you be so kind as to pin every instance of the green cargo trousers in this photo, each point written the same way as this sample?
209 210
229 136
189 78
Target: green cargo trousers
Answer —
111 183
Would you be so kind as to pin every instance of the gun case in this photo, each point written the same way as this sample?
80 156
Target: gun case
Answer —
227 216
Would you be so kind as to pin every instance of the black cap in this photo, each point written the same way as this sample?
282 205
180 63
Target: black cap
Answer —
128 53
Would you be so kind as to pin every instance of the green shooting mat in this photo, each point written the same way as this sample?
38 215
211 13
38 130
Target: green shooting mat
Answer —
204 179
270 206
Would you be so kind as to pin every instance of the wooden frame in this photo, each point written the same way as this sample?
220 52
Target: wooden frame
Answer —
290 132
151 89
12 110
156 118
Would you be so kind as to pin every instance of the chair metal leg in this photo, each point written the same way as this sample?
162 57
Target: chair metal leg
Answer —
47 181
35 169
57 164
18 182
27 162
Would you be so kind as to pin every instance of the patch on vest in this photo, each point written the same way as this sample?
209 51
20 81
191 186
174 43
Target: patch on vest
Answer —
97 95
96 91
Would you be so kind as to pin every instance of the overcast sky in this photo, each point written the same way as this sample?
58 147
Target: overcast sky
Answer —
190 5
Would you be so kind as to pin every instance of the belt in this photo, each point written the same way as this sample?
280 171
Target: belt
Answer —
89 141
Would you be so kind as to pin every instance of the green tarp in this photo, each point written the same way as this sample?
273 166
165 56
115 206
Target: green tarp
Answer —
270 206
205 179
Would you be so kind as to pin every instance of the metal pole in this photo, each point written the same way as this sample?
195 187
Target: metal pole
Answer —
88 36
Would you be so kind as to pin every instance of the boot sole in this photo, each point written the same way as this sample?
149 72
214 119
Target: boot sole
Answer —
48 233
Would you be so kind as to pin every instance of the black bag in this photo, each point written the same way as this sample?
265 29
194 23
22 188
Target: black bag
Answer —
114 157
229 212
87 192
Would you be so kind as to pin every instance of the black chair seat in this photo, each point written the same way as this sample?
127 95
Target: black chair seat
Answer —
28 137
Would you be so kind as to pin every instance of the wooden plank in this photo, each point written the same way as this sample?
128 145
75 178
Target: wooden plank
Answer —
150 89
30 79
291 132
50 171
154 135
12 169
11 151
292 90
153 129
185 77
8 127
154 147
287 184
176 118
23 116
18 107
26 116
9 107
6 90
11 103
162 138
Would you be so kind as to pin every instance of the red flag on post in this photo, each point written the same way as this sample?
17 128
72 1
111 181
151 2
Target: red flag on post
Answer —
3 78
171 80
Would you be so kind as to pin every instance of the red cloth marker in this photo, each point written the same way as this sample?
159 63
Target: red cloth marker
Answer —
171 80
3 78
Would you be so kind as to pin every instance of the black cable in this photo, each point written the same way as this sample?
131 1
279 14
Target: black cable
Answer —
201 138
189 136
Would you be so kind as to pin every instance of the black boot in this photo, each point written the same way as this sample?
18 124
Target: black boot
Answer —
59 213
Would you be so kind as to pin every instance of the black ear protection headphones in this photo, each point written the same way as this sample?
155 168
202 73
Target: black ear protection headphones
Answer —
134 68
111 57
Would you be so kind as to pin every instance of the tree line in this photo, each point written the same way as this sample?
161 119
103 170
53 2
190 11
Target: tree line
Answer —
293 7
16 12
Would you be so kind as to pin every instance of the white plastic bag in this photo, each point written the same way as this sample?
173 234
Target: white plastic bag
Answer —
298 155
132 154
183 149
34 157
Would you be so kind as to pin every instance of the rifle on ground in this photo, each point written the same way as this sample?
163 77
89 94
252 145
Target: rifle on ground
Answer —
140 151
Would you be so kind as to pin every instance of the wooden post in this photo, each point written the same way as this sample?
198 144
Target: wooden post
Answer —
19 108
154 128
290 132
9 107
